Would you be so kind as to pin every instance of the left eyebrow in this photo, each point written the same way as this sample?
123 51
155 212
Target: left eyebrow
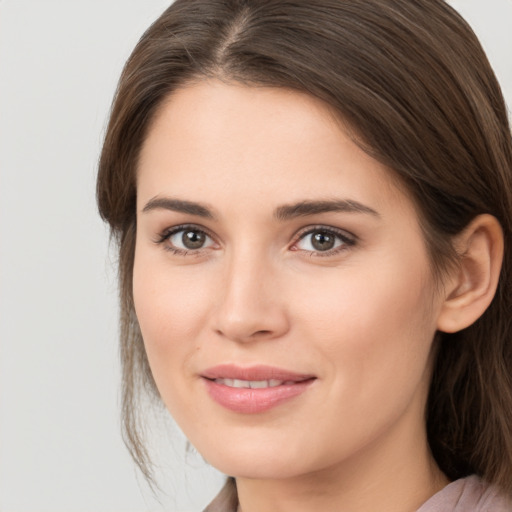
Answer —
178 205
306 208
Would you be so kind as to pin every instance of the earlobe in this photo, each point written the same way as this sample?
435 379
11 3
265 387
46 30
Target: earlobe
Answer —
473 283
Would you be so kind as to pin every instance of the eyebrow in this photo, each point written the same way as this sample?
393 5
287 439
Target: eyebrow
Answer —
282 213
306 208
178 205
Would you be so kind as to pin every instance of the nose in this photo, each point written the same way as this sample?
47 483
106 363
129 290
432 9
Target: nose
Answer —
251 305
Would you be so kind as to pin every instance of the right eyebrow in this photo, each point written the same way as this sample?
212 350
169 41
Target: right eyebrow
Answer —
307 208
178 205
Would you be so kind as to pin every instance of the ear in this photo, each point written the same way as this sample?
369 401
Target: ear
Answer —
471 286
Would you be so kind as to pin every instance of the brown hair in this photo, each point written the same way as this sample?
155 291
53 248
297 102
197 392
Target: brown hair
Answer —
412 81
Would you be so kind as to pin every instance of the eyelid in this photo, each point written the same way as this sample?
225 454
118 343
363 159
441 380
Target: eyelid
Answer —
165 235
167 232
348 239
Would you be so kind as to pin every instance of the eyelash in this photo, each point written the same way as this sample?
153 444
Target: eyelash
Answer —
168 233
347 240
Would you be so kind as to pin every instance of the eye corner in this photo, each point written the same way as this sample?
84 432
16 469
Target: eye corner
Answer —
169 238
340 241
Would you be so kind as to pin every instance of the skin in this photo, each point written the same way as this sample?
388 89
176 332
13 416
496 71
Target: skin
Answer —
361 319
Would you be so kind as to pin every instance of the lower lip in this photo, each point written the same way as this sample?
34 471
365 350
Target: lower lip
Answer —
251 401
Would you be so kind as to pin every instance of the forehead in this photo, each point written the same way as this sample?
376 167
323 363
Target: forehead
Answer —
222 142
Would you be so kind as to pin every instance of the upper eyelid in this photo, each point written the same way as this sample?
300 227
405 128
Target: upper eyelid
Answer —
299 234
183 227
164 239
301 231
331 229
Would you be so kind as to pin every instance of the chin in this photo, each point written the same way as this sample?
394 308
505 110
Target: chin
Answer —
257 460
260 469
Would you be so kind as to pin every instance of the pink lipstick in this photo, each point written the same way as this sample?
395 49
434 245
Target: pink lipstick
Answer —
255 389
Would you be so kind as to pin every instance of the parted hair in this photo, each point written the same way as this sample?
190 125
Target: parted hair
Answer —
414 85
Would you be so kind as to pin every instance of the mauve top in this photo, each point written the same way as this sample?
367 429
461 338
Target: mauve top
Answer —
465 495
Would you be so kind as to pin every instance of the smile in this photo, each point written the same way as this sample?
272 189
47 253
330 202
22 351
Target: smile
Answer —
253 390
252 384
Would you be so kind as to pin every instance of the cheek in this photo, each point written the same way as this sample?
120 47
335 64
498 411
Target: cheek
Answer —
374 327
170 311
372 342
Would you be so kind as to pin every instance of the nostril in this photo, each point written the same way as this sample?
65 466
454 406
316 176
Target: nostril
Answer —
261 333
249 336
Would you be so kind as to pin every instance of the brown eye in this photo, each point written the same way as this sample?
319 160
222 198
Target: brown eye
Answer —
323 240
187 239
193 239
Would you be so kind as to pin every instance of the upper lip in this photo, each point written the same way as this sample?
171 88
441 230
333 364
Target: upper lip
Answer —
253 373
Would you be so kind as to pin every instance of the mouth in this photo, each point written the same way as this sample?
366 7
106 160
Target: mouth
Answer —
253 384
255 389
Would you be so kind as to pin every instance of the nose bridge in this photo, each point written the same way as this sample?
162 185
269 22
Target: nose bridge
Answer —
251 306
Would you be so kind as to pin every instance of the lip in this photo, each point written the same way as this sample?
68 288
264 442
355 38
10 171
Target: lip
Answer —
252 401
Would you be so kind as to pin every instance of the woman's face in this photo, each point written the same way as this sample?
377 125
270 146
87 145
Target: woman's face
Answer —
281 283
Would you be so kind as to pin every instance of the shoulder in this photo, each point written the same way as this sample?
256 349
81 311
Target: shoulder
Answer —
468 494
226 500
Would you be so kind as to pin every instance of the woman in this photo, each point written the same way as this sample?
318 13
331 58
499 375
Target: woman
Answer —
313 205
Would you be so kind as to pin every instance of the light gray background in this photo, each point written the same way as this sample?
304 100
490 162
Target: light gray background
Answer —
60 447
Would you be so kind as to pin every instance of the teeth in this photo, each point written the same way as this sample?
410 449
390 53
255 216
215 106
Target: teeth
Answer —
252 384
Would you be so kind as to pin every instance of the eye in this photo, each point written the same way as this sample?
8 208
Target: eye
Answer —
324 240
184 239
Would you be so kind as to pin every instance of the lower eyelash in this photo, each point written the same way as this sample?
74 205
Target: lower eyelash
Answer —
166 234
348 242
177 251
